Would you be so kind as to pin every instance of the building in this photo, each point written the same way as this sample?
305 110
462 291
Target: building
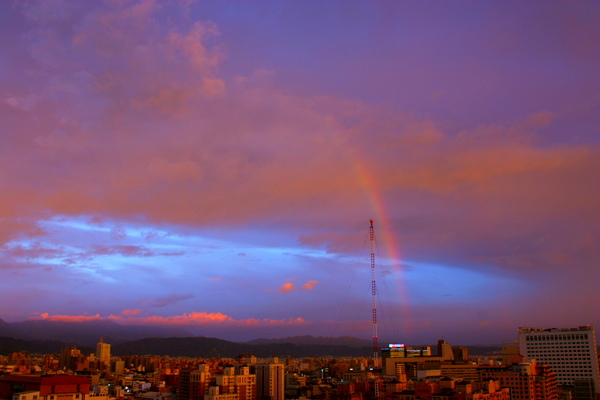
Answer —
510 353
270 380
526 381
152 396
103 353
570 352
71 359
213 394
237 380
403 362
194 383
584 389
451 389
467 371
44 387
119 367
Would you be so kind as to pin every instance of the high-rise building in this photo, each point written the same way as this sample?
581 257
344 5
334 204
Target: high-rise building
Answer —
270 380
194 383
526 381
119 367
70 358
103 353
570 352
237 380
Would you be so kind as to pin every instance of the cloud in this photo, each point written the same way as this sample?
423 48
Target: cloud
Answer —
16 228
310 285
35 251
70 318
123 250
121 114
287 287
131 313
169 300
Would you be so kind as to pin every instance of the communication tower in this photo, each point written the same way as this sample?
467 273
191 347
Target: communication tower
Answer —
374 295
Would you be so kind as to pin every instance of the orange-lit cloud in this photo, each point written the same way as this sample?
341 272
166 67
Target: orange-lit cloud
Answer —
310 285
286 287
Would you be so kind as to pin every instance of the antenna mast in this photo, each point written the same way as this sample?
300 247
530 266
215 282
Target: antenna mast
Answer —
374 294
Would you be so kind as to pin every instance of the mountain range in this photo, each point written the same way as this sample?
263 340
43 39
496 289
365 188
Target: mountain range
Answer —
44 336
86 333
50 337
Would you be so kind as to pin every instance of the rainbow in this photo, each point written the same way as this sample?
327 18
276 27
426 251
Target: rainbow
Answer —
382 225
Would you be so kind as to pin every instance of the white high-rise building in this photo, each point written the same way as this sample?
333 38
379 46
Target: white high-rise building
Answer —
570 352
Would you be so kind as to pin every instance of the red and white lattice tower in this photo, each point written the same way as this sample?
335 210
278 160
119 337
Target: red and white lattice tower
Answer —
374 294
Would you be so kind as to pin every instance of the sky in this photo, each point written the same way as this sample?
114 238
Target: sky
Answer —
213 166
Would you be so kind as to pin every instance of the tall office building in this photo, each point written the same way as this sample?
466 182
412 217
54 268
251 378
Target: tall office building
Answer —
103 352
270 380
570 352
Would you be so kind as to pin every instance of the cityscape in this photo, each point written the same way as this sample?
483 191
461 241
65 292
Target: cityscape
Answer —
296 200
553 363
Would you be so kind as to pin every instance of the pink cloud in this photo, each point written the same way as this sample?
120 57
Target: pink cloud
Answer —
131 313
36 250
70 318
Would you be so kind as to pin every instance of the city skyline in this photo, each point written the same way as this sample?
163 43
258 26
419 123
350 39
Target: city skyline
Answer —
214 166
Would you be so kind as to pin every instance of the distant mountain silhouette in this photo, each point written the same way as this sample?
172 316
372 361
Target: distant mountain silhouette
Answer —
85 333
212 347
312 340
189 347
44 336
11 345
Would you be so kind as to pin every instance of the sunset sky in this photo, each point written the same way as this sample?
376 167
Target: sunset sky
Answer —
213 166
